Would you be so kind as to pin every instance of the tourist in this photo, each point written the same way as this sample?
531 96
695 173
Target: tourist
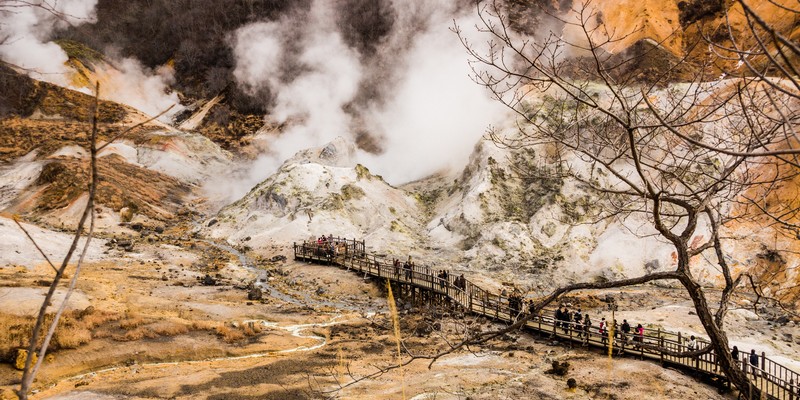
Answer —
692 345
639 334
578 317
754 363
604 331
735 356
557 319
626 330
587 325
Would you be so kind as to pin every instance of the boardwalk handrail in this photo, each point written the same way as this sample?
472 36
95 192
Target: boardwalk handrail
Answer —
773 379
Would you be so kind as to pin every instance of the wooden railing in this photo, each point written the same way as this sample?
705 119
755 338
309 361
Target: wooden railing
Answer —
770 378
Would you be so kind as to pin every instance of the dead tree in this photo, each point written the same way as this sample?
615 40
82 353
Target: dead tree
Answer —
670 155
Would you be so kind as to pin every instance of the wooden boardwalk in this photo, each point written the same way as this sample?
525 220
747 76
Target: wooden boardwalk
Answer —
772 379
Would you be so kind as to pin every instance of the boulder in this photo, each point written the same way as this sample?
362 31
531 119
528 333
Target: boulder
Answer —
572 383
125 214
558 368
19 360
255 294
208 280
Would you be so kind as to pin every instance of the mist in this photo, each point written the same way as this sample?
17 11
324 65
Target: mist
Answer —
27 31
403 94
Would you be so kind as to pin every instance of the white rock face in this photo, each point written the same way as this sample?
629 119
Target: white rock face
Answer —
189 157
320 192
18 176
17 249
522 230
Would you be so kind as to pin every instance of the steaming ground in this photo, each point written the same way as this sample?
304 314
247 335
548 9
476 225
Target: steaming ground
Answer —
424 115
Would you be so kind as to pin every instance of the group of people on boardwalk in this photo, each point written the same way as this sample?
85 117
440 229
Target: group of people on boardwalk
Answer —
581 325
326 246
750 360
442 277
408 269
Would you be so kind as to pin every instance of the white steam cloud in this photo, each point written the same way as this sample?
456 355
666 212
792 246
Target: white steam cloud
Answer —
129 82
26 31
313 101
430 114
25 36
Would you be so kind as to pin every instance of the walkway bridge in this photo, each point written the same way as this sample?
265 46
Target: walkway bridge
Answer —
773 380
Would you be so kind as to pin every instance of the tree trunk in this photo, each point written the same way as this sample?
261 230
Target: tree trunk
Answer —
718 338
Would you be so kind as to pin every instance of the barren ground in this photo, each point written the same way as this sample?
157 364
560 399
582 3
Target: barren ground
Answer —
158 332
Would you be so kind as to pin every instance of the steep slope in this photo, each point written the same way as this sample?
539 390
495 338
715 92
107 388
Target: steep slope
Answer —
151 171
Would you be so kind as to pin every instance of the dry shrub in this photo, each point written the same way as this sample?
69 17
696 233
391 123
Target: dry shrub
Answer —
71 337
151 331
14 332
168 328
131 321
229 334
251 329
91 318
74 329
204 325
135 334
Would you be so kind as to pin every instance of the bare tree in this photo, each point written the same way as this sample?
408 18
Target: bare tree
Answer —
677 156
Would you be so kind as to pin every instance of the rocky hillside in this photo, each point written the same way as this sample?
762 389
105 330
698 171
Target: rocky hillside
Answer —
149 173
322 191
508 213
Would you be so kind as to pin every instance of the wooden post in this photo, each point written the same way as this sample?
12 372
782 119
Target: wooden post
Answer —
660 346
570 335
